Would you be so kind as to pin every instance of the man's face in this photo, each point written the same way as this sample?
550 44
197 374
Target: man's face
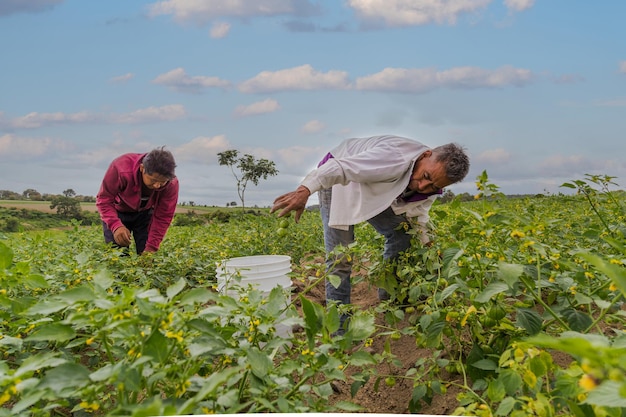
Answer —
428 175
153 181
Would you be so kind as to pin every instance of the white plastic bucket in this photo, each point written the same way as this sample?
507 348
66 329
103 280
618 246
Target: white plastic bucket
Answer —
265 272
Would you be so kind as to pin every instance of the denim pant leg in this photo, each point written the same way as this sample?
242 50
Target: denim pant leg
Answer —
339 266
397 240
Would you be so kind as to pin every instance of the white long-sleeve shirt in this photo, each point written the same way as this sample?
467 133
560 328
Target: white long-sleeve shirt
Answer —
367 175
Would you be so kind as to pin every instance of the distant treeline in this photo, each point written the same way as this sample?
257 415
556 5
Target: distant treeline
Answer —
34 195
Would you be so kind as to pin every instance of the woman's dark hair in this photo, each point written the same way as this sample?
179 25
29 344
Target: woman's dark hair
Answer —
159 161
454 159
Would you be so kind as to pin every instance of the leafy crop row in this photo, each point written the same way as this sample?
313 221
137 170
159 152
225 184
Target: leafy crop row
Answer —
88 329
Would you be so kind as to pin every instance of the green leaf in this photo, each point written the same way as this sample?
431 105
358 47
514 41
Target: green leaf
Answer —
157 347
6 256
103 279
195 295
46 308
64 376
210 386
448 291
348 406
77 294
505 406
34 281
607 394
577 320
616 273
334 280
485 365
173 290
38 362
495 390
362 358
529 320
260 363
54 332
361 326
313 317
490 290
510 273
511 380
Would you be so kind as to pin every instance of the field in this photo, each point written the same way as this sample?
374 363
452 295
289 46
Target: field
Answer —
517 309
44 206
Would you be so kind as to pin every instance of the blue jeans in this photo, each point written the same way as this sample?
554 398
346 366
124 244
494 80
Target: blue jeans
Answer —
386 223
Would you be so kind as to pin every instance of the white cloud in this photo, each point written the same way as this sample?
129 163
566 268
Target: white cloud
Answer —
617 102
202 149
36 120
151 114
219 30
178 79
8 7
562 165
313 126
518 5
13 147
301 157
622 67
493 156
202 11
260 107
419 80
409 13
303 77
123 78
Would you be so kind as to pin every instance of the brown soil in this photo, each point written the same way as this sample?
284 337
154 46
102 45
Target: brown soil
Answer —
380 398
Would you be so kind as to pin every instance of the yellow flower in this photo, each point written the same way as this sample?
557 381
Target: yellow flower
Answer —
612 287
470 310
517 234
89 341
587 382
588 274
615 261
4 397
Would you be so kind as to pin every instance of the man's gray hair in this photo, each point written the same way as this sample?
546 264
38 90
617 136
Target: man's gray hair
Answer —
455 160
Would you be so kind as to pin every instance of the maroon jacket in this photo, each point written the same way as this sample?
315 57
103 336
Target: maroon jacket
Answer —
121 191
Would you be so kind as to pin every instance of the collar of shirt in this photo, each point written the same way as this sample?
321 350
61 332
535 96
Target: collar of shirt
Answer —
410 196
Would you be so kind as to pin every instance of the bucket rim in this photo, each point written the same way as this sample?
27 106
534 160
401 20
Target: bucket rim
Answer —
254 260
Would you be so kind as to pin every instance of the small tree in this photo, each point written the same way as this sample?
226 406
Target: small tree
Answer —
31 194
67 207
250 169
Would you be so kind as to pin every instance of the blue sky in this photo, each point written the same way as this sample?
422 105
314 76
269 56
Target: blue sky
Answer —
534 89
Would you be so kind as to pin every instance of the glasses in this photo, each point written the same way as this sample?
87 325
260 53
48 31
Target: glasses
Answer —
154 182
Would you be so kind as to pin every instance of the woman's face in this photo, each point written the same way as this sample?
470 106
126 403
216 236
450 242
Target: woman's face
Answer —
153 181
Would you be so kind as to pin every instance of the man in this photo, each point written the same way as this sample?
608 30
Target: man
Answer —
384 180
138 197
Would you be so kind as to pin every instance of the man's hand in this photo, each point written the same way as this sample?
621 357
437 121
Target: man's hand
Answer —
122 236
293 201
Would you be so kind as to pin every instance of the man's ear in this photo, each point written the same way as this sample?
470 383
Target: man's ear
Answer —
141 168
